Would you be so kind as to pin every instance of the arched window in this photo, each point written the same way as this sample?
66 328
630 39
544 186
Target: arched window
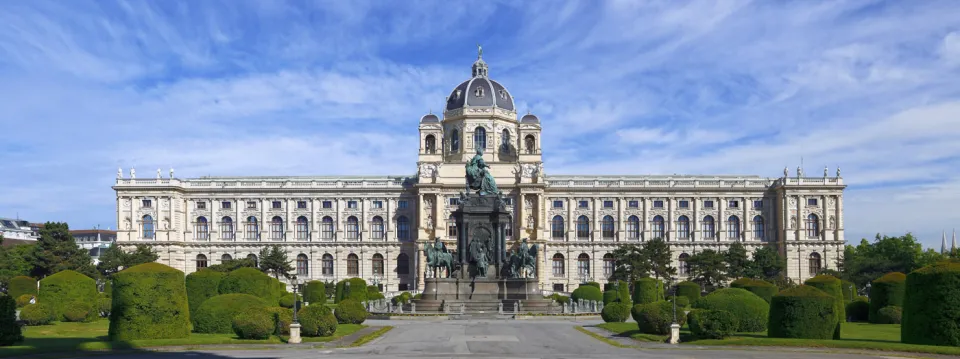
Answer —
505 141
202 228
455 141
508 228
530 144
684 265
606 227
814 263
303 228
583 228
326 265
377 224
403 264
733 227
633 227
583 265
658 228
758 228
353 265
226 228
430 144
813 226
276 228
480 138
303 265
225 257
326 227
558 265
201 261
608 265
556 228
353 228
403 228
253 257
708 227
452 226
253 228
148 229
683 227
378 264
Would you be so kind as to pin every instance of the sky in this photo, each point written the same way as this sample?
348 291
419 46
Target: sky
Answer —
273 88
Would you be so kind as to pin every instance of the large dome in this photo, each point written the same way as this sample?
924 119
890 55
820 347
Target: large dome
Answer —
480 91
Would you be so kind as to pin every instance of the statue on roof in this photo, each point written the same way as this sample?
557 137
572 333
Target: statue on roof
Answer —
119 173
479 51
478 176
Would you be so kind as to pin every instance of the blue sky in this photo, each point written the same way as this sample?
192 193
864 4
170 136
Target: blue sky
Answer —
622 87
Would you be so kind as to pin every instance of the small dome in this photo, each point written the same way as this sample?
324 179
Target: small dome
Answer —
529 118
430 118
480 91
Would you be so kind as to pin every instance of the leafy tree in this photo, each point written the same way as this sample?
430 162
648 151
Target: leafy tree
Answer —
708 267
15 260
767 264
274 260
736 260
115 259
230 265
868 261
657 252
630 263
56 251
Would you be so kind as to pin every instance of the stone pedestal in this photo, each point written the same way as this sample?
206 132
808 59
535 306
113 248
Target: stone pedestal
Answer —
674 334
294 334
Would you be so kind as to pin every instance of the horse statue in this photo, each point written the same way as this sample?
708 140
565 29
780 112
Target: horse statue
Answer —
438 257
523 261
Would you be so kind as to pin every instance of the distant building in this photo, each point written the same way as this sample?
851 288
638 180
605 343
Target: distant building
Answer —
19 229
96 240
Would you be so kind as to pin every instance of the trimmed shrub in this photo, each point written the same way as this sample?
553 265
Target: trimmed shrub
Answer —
647 290
57 290
656 317
831 285
561 299
761 288
36 314
610 296
890 314
317 321
253 282
402 298
587 292
804 312
23 300
104 306
78 312
357 290
350 311
858 310
288 299
682 302
216 314
338 293
849 290
10 331
282 318
615 312
315 292
595 284
108 288
149 302
711 324
930 314
751 311
624 294
202 285
254 323
21 285
887 290
689 289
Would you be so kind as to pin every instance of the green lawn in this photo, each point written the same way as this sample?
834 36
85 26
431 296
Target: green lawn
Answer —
884 337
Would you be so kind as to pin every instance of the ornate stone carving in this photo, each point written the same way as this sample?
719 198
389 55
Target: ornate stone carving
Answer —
833 222
793 222
428 221
429 170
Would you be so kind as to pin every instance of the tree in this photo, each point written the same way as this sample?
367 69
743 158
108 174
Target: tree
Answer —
231 264
15 261
630 263
657 252
708 267
736 260
868 261
115 259
767 264
274 260
56 251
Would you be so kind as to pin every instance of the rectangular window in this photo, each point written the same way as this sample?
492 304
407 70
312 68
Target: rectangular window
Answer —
607 204
634 204
302 204
402 204
734 204
147 203
225 205
584 204
811 201
557 204
201 205
276 205
658 204
327 204
251 205
707 204
758 204
557 287
684 204
402 286
377 204
352 204
454 201
508 201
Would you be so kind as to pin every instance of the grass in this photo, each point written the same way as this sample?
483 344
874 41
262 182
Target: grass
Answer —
369 337
881 337
601 338
342 331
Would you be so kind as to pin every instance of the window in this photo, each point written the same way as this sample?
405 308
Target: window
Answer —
707 204
226 228
276 205
402 204
301 204
326 227
734 203
326 265
430 144
606 227
148 231
201 261
658 204
758 227
684 204
583 204
633 204
558 265
202 228
225 257
683 227
556 228
607 204
303 265
814 263
147 203
557 204
757 204
633 227
378 264
201 205
508 230
658 227
251 205
225 205
530 144
480 138
253 257
813 226
455 141
327 204
583 227
451 226
812 202
708 227
276 228
378 204
403 228
353 265
303 228
352 204
733 227
557 287
583 265
684 265
505 140
454 201
253 228
353 228
377 227
508 201
608 265
403 264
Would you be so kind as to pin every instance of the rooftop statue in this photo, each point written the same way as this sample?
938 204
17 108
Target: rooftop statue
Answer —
478 176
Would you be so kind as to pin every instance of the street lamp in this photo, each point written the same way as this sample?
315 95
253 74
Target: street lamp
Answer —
674 327
295 326
296 299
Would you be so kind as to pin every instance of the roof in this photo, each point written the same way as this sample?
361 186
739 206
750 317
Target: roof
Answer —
93 231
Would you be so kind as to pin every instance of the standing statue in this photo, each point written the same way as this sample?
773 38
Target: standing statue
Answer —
480 255
478 176
523 261
438 257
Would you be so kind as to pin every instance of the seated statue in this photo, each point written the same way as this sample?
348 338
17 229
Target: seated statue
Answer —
478 176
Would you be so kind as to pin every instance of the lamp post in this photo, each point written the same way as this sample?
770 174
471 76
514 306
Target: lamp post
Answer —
674 327
295 326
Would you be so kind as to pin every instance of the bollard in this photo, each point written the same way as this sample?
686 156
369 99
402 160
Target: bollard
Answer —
413 308
500 308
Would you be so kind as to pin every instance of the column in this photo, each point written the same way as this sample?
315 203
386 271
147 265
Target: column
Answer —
668 231
596 203
387 228
721 220
620 220
238 226
695 221
570 222
314 227
289 223
645 220
745 221
519 224
263 218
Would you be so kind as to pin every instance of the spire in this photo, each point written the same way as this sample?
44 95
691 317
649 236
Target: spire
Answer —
479 67
943 243
954 247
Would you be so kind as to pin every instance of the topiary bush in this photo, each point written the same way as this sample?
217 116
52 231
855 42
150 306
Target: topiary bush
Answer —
21 285
23 300
357 290
587 292
890 314
104 306
761 288
202 285
317 321
595 284
610 296
78 312
647 290
831 285
402 298
802 312
682 302
930 314
689 289
64 287
887 290
315 292
216 314
712 324
350 311
10 331
254 323
253 282
656 317
36 314
288 300
615 312
560 299
282 318
849 290
858 310
149 302
751 310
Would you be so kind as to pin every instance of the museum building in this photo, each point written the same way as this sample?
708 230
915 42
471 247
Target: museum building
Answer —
373 227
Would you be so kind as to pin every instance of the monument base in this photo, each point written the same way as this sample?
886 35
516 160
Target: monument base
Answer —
483 295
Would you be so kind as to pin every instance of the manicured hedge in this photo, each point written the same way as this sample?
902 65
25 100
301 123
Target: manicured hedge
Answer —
149 302
849 290
887 290
253 282
761 288
656 317
288 300
315 292
10 331
689 289
24 300
802 312
751 310
402 298
586 292
615 312
78 312
682 302
104 306
216 314
890 314
350 311
21 285
202 285
64 287
317 321
858 310
595 284
36 314
831 285
711 324
610 296
930 314
254 323
647 290
357 290
282 318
